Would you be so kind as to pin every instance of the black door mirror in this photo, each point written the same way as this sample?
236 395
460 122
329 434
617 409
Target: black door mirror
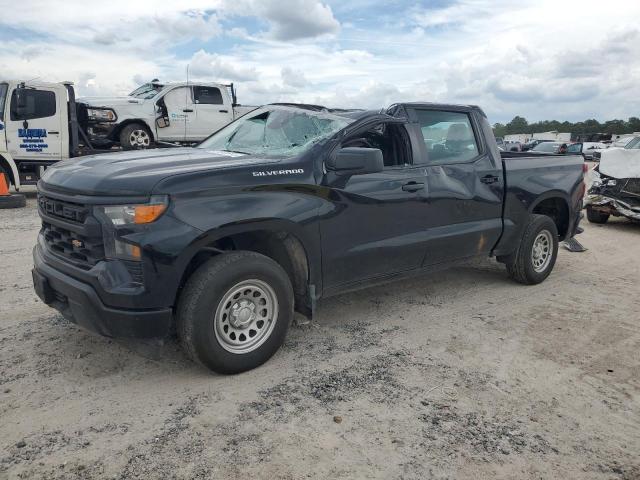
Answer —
356 160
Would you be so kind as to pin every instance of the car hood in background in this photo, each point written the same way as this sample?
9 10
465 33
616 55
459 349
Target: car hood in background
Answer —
620 163
109 101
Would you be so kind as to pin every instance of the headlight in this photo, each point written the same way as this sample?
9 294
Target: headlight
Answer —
114 216
101 114
135 214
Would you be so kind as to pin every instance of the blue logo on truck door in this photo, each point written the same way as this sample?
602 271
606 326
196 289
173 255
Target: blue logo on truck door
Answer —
32 139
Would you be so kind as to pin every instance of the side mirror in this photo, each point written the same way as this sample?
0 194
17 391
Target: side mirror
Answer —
356 161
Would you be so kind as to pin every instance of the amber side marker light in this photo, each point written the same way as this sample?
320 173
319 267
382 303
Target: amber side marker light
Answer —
148 213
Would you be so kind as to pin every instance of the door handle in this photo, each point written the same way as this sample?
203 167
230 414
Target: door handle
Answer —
223 111
187 110
412 186
53 133
489 179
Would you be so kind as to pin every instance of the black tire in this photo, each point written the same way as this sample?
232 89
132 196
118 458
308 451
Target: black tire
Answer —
15 200
203 296
136 130
596 216
520 265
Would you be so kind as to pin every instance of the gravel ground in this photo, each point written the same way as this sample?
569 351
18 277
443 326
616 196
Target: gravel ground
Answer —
463 374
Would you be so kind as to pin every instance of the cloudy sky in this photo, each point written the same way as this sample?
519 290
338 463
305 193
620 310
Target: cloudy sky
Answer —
545 59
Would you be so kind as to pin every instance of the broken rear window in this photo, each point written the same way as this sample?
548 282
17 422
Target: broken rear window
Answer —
276 131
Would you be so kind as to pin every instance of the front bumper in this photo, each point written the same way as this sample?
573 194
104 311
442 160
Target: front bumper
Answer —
612 206
101 133
79 303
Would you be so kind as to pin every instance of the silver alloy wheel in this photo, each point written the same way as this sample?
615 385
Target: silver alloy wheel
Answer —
139 138
246 316
541 251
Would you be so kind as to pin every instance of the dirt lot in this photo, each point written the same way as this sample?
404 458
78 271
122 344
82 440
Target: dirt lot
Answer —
461 375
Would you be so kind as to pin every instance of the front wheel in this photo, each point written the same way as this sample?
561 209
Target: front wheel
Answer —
234 311
534 260
135 137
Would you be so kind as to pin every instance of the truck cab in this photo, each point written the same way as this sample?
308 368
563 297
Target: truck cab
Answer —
162 112
34 128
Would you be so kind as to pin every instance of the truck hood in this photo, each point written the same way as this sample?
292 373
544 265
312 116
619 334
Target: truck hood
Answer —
109 101
135 173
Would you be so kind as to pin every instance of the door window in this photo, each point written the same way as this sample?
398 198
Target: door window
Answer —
3 95
207 95
448 136
391 138
28 103
574 148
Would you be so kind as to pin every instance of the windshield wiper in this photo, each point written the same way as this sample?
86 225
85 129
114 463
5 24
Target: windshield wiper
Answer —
236 151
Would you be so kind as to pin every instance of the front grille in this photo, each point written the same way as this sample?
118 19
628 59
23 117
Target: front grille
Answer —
632 186
71 232
81 249
67 210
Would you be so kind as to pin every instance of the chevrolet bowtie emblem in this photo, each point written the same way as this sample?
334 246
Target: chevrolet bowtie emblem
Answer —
77 243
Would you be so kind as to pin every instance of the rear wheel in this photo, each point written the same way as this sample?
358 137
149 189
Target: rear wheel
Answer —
135 137
596 216
234 311
534 260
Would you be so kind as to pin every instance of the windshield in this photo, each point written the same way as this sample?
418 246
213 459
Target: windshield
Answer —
146 91
632 145
276 131
546 147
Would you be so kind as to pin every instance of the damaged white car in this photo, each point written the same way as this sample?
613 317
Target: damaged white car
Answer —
616 186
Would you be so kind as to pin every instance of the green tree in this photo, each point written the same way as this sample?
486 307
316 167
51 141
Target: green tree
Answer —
518 125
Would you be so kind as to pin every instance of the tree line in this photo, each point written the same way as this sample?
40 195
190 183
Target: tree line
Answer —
520 125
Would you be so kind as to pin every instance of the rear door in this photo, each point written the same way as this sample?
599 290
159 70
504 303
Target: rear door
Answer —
465 183
213 111
181 113
34 124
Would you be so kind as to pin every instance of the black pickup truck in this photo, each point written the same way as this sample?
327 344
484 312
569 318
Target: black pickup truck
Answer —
287 205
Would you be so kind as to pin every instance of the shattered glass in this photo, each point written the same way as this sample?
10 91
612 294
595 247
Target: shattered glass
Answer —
276 131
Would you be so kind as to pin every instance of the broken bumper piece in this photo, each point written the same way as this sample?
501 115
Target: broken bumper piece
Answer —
613 206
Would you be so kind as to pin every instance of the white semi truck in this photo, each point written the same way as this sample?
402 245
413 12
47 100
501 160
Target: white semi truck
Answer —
42 123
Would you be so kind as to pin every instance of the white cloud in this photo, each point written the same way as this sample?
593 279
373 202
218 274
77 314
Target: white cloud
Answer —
208 65
298 18
293 77
536 58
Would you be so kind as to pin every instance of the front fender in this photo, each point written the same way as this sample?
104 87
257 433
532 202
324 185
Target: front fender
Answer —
294 213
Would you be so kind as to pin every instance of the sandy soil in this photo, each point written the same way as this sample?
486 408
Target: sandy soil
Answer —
460 375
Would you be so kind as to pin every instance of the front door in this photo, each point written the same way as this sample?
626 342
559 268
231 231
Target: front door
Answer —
211 112
465 184
181 113
377 224
34 124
